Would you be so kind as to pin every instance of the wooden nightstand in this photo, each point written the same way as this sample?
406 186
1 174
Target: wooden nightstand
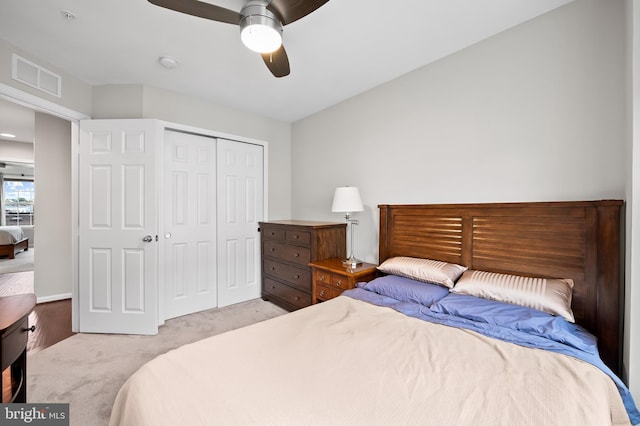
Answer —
330 278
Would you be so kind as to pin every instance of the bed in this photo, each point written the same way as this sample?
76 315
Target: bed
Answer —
12 240
403 350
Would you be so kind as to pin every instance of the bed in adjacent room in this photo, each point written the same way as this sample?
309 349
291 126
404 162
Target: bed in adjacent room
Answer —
485 314
12 240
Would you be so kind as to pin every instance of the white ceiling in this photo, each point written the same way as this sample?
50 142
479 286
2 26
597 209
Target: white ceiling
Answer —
344 48
19 121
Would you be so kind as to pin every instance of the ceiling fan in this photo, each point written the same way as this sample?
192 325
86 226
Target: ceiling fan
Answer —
260 23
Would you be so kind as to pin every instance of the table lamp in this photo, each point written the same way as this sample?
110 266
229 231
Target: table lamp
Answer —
347 200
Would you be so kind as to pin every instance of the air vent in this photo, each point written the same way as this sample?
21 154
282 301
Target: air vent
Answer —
35 76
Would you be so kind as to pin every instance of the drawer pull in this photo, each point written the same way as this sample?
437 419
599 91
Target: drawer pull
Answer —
297 298
297 277
321 277
339 283
273 234
273 287
296 255
273 268
322 293
272 249
295 237
32 328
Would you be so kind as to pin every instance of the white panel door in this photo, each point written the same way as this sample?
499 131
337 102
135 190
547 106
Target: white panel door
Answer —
240 208
189 224
117 227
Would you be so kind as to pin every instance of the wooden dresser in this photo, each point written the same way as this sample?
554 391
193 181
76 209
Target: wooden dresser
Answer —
287 248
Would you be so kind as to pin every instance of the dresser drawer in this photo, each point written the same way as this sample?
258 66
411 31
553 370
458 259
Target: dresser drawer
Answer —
287 252
298 237
322 277
14 342
340 282
284 292
273 233
325 292
331 280
297 277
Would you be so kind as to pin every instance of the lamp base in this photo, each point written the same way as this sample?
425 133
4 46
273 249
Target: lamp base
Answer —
351 262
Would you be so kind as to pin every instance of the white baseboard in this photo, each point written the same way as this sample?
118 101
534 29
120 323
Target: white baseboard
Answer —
54 298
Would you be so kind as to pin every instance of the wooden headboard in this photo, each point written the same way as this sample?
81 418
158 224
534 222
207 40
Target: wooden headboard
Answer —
577 240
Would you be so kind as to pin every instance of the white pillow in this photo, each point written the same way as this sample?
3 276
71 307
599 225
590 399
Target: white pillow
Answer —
426 270
544 294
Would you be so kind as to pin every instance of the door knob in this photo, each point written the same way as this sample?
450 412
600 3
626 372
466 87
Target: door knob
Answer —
147 238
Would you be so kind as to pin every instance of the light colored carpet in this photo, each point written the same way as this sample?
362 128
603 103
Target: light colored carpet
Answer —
23 262
87 370
16 283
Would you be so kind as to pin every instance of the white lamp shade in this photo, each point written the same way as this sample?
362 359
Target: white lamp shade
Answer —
347 199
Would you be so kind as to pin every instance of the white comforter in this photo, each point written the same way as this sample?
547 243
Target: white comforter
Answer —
346 362
10 234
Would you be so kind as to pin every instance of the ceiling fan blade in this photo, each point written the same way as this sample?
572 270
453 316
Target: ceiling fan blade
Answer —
289 11
200 9
277 62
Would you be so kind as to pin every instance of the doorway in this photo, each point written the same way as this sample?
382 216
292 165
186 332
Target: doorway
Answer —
16 197
56 128
18 194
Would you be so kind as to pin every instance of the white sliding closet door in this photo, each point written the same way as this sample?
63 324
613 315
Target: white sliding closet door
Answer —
188 270
240 208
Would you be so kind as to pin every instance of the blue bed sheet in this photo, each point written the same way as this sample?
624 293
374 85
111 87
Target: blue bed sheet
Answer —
571 340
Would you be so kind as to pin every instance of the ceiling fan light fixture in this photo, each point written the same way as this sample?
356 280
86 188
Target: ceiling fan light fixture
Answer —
260 31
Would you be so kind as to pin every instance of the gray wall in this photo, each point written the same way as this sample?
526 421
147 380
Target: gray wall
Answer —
16 151
52 155
536 113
